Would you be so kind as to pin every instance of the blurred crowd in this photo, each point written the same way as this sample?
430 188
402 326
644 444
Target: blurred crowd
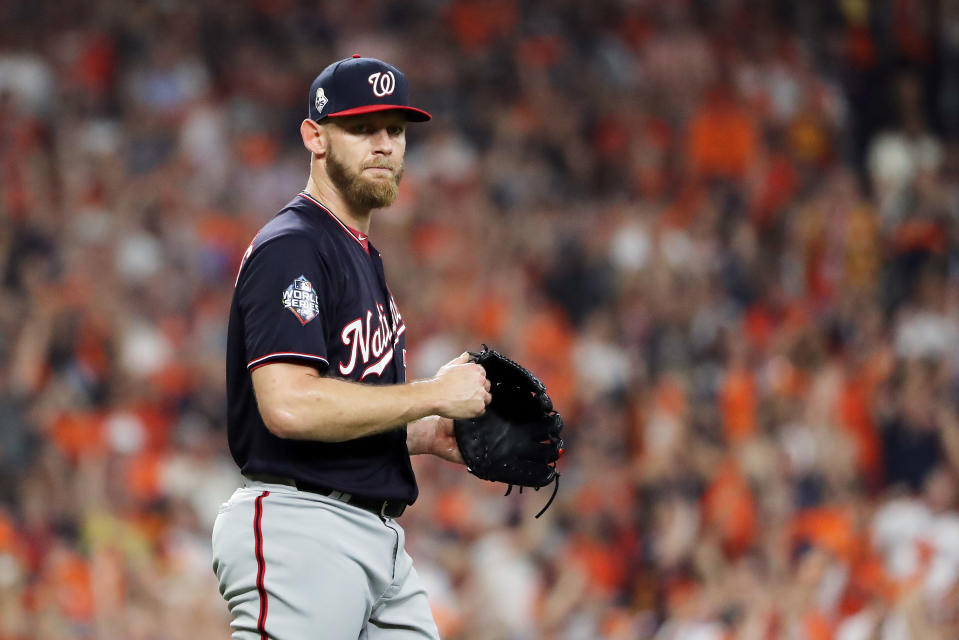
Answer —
725 233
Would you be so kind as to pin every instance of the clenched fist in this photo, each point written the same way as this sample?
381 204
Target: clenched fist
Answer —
462 390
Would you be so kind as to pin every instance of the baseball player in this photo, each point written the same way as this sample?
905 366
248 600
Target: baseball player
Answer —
321 420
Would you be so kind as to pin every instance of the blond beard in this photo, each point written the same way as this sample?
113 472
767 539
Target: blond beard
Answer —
363 193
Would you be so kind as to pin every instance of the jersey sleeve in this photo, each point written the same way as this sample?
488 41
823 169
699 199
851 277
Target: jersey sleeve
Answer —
284 293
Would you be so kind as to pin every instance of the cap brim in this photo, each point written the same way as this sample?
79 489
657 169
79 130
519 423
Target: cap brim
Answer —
412 114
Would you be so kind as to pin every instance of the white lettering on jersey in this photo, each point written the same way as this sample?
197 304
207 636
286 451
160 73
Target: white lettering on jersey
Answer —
367 343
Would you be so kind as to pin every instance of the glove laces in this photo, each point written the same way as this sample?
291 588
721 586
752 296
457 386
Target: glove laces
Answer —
555 483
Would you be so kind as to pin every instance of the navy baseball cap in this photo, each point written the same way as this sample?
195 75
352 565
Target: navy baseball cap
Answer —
361 85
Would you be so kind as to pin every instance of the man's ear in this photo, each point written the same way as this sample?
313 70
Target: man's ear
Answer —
314 138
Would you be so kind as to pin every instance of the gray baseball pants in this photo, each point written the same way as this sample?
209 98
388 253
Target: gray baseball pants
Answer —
295 565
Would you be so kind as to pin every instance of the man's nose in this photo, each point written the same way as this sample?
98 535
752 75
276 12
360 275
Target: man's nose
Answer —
382 142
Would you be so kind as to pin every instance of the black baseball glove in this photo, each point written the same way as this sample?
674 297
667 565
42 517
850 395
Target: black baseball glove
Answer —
517 441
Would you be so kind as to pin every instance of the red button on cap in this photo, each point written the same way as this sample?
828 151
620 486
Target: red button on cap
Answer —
356 55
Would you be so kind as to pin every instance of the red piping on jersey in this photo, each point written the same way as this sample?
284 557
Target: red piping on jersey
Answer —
258 361
360 238
260 564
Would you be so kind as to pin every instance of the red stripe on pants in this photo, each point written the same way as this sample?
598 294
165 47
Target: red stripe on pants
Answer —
260 564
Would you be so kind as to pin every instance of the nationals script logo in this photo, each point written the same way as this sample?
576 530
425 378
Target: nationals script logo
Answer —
368 344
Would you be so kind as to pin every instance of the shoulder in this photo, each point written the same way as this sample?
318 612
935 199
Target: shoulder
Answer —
291 224
277 243
290 236
297 225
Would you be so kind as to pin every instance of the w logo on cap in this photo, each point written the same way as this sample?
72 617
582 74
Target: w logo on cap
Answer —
383 83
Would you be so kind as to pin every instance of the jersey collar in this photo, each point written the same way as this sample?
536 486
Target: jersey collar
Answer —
361 238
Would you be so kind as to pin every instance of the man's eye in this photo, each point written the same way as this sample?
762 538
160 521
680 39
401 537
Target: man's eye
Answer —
395 131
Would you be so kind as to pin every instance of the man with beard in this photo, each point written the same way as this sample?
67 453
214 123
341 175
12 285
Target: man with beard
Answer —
321 420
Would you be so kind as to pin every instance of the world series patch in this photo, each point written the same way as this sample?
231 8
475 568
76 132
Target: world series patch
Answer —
301 299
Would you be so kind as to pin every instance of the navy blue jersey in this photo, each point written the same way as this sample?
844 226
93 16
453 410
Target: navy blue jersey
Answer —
310 290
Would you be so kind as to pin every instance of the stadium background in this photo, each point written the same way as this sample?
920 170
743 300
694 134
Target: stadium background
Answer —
726 233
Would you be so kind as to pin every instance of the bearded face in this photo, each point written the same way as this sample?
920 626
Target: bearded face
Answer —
361 188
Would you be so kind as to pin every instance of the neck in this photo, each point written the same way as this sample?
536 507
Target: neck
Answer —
333 200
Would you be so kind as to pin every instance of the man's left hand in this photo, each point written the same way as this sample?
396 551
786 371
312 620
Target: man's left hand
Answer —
433 435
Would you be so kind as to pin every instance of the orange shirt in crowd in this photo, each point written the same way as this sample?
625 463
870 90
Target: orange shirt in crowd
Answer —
855 417
729 506
737 404
723 140
477 23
